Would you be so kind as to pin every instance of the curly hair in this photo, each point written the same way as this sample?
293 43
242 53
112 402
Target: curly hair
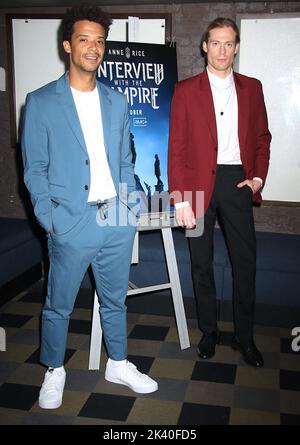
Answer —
84 12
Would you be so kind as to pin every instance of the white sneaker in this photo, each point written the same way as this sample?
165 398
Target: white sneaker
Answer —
127 374
51 392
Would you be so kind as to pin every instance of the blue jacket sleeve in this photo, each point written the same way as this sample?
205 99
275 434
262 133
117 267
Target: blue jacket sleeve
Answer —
34 144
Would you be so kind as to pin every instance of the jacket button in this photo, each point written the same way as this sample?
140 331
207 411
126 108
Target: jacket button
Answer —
86 187
216 148
87 162
213 172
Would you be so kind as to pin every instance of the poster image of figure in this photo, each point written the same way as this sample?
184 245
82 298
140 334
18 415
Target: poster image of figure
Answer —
159 185
146 75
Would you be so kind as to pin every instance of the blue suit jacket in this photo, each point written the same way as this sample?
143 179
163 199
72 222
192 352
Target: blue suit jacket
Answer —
56 162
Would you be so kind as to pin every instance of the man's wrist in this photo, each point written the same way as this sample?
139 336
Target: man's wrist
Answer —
256 178
180 205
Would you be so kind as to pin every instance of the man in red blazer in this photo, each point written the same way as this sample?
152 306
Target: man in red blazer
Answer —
220 144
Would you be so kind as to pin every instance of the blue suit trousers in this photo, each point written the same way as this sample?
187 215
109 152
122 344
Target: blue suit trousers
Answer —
106 244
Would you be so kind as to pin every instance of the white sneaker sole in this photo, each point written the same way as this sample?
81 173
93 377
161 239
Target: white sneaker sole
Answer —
50 405
142 390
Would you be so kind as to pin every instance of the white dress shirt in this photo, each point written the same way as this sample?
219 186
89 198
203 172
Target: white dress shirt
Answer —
226 111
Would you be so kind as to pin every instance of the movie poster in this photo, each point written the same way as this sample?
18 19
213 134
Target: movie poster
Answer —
146 74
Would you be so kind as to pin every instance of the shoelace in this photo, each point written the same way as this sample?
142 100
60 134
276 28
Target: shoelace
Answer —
132 368
50 383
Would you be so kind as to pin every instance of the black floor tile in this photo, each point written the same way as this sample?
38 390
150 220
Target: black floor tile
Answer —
13 320
80 327
18 396
106 406
286 346
85 299
143 364
226 338
196 414
290 380
35 357
289 419
146 332
214 372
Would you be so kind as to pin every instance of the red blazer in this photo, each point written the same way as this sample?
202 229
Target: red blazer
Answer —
193 141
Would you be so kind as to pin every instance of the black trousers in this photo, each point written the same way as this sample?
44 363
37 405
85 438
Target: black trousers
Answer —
232 206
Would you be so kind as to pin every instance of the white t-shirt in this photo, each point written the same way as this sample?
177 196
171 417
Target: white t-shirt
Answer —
89 112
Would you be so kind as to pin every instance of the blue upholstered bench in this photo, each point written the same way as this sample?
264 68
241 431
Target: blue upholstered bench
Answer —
278 266
20 249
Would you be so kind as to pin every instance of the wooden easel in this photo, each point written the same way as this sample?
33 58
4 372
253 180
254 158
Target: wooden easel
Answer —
153 221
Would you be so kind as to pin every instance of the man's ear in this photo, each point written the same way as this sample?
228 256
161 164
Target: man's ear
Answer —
204 47
67 46
237 46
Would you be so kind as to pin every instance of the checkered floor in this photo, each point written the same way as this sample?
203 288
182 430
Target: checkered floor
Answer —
191 392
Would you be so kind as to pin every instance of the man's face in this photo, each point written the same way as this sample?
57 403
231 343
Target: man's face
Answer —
221 49
87 46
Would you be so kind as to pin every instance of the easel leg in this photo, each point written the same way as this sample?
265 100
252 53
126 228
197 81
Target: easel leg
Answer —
96 337
175 288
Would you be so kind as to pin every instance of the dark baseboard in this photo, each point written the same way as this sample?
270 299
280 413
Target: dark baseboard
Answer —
158 303
267 314
20 283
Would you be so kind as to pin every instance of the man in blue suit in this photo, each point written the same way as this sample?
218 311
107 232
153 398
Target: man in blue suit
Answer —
78 170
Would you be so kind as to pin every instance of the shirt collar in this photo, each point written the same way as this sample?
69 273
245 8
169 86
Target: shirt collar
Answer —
218 82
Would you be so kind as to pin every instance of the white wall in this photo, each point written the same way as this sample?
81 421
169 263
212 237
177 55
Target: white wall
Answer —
36 57
270 51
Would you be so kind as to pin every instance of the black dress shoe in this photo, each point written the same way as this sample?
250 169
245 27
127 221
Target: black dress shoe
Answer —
207 345
250 353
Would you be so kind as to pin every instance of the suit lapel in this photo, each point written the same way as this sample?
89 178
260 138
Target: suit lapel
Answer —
207 99
105 104
66 100
243 109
